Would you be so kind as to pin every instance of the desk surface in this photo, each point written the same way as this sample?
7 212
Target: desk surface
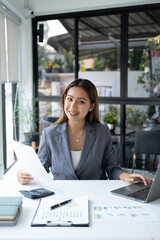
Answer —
96 191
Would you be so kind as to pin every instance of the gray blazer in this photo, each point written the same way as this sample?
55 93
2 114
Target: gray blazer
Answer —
97 153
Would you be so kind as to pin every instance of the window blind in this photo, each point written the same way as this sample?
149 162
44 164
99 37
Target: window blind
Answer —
8 49
12 49
3 67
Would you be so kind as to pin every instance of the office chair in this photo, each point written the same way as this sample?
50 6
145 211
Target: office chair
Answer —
148 143
47 121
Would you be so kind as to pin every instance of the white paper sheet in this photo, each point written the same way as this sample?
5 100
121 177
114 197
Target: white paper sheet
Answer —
29 162
134 212
75 211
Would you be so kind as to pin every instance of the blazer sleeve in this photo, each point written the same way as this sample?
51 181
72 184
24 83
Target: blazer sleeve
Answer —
44 152
109 162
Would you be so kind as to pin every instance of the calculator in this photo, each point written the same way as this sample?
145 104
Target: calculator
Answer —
37 193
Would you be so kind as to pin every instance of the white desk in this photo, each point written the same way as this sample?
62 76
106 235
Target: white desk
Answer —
97 191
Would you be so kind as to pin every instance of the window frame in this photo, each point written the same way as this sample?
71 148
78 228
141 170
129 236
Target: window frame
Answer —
123 100
15 128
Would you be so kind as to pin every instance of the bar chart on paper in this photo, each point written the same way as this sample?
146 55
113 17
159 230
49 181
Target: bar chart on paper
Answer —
123 213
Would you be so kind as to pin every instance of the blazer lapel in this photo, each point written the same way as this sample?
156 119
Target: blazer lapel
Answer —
63 144
88 141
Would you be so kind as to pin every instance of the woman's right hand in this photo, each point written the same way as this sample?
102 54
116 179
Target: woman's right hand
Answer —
23 177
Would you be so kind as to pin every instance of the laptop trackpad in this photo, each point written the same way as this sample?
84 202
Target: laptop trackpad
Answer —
131 188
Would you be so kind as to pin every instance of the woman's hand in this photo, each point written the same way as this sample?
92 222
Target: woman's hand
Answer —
133 177
23 177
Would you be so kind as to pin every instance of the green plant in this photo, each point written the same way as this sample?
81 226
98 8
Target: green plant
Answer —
112 59
47 63
113 109
99 63
57 63
148 79
135 118
27 114
68 58
135 58
155 42
110 118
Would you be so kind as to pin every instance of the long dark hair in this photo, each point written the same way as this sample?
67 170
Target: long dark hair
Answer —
91 90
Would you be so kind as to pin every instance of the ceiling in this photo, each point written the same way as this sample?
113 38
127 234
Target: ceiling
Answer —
99 34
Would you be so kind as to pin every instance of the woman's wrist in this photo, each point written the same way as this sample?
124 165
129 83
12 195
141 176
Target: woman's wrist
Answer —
123 176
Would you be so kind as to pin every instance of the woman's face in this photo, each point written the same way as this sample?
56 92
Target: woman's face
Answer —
77 104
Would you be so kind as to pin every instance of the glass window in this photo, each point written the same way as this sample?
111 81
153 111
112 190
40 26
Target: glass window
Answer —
144 54
139 117
56 57
49 112
101 58
9 124
99 53
109 108
110 114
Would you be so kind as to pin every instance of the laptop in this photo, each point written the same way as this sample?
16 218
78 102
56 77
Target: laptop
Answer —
140 192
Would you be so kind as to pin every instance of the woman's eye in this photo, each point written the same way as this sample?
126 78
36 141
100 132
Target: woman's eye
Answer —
69 99
82 102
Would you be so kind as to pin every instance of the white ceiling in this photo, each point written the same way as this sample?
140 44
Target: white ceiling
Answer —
44 7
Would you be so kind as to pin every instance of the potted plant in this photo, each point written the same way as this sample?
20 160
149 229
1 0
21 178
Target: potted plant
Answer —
27 114
150 79
135 119
47 65
110 119
99 63
57 65
68 60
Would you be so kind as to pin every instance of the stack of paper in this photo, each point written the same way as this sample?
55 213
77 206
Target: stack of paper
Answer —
10 208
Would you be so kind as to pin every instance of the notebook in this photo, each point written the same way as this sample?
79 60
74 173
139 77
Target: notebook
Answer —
140 192
10 208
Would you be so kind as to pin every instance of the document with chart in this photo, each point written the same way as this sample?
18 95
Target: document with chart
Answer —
74 213
119 212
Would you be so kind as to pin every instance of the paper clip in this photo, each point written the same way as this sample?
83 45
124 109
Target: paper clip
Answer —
59 223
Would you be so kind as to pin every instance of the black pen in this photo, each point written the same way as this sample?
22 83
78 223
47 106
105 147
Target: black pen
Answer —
60 204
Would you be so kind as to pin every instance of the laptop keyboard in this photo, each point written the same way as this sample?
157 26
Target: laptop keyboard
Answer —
142 194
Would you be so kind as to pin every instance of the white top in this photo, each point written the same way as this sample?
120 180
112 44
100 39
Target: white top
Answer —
75 158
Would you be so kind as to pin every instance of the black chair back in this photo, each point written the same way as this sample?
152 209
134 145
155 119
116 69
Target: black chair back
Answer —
148 143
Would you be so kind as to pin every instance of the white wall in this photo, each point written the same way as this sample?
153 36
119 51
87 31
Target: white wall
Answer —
41 7
112 79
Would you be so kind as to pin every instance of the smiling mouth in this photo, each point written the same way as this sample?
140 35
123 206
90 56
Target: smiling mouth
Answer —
73 114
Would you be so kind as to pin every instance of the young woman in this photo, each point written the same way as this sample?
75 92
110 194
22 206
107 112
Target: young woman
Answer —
78 146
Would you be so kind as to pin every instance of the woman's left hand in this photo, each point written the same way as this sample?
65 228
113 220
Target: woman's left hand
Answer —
133 177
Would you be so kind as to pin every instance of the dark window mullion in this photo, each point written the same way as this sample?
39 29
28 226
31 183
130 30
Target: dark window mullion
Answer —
123 82
35 57
124 55
35 65
76 49
124 67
